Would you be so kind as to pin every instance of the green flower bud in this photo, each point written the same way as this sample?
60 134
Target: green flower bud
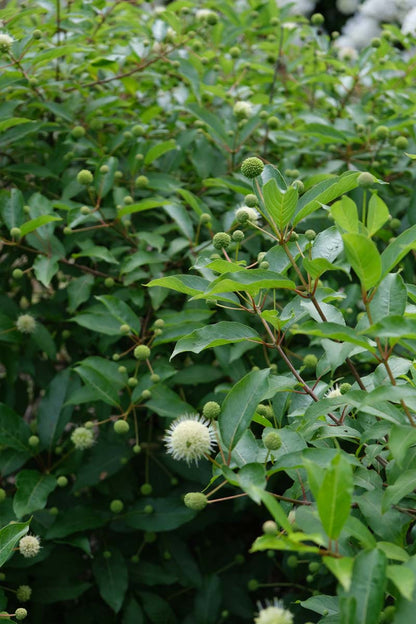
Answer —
109 282
401 143
253 585
37 34
292 561
309 578
78 132
211 410
20 613
15 232
317 19
366 179
197 501
141 353
264 410
85 177
142 181
159 323
107 554
116 357
273 123
148 509
204 218
2 495
127 135
138 130
33 441
314 566
17 273
237 236
294 236
345 387
135 558
382 132
146 394
272 441
62 481
146 489
298 184
375 42
221 240
270 527
85 210
252 167
310 234
264 265
234 52
121 426
122 370
23 593
128 200
310 361
154 378
150 537
124 329
395 224
251 200
137 449
116 506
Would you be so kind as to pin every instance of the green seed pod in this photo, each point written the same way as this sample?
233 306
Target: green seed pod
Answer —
20 613
317 19
382 132
17 273
33 441
401 142
148 509
109 282
141 353
252 167
197 501
253 585
154 378
138 130
124 329
310 361
85 177
264 265
272 441
116 506
345 387
121 426
310 235
62 481
221 240
237 236
211 410
146 395
132 382
78 132
142 181
273 122
146 489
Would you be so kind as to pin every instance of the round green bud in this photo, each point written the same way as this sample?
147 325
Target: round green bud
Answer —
237 236
37 34
366 179
20 613
205 218
272 441
310 361
17 273
118 175
148 509
107 554
273 368
292 561
78 132
85 177
121 426
157 331
211 410
382 132
345 387
294 236
253 585
270 527
109 282
264 410
146 489
264 265
159 323
251 200
15 232
310 235
85 210
23 593
142 181
135 558
154 378
146 395
141 353
138 130
122 370
395 224
127 135
273 123
401 142
309 578
221 240
2 576
314 566
54 511
317 19
104 169
33 441
150 537
2 495
115 357
137 449
239 559
128 200
62 481
197 501
116 506
58 450
67 230
124 329
298 185
234 52
375 42
252 167
132 382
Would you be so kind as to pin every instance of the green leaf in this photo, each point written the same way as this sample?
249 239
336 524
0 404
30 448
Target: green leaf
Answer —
214 336
121 312
240 405
158 150
335 495
341 569
14 121
9 536
11 208
79 290
97 251
34 224
52 416
335 332
280 205
405 609
45 267
392 551
367 586
145 204
378 214
103 377
401 438
81 518
252 479
403 578
250 281
404 484
186 284
393 326
208 600
364 258
14 431
325 192
345 214
97 319
318 266
390 298
157 609
169 513
106 180
395 251
328 244
276 510
132 613
112 578
33 489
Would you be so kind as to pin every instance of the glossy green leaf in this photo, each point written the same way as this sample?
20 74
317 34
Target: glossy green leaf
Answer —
14 431
401 438
393 326
158 150
364 258
45 269
250 281
121 312
367 586
34 224
335 496
378 214
333 331
317 267
186 284
280 205
240 405
33 489
103 377
215 335
52 415
403 578
404 484
390 298
112 578
168 514
11 208
405 608
345 214
14 121
9 536
325 192
396 250
145 204
341 569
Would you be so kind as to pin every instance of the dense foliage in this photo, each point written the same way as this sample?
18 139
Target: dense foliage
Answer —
205 216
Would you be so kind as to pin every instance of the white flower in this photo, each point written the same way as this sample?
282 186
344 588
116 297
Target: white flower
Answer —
242 109
246 215
360 29
82 438
347 6
26 324
381 11
274 613
29 546
333 392
202 14
5 42
190 437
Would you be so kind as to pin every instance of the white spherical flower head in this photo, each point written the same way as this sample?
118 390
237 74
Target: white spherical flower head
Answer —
242 109
26 324
82 438
246 215
29 546
5 42
333 392
190 437
274 614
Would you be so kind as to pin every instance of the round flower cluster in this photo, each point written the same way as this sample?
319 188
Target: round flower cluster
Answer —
5 42
242 110
29 546
274 613
190 437
26 324
23 593
246 215
82 438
